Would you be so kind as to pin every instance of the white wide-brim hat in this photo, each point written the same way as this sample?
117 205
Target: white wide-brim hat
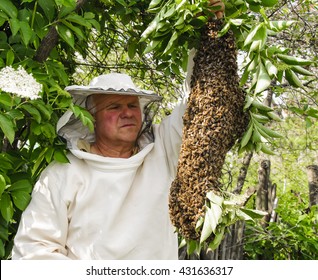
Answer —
113 83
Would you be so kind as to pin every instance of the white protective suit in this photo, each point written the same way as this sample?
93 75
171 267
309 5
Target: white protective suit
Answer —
105 208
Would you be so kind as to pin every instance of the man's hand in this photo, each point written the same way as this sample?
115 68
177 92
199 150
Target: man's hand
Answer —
215 3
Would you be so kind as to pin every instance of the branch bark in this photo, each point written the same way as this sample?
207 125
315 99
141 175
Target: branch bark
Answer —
243 172
51 39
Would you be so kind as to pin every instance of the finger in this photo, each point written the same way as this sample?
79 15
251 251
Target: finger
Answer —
218 3
219 14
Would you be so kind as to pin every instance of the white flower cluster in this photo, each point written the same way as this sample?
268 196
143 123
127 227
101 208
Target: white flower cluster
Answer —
19 82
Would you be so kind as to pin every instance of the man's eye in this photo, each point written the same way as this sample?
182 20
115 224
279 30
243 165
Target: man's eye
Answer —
133 105
113 107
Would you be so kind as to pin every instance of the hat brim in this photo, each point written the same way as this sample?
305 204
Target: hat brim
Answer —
80 92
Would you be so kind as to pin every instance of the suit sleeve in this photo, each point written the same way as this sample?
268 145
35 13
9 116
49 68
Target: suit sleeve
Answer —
43 227
170 129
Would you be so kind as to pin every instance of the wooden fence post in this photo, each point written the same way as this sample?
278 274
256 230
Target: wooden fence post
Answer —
262 197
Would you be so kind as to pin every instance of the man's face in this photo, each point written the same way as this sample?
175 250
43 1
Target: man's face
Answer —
118 119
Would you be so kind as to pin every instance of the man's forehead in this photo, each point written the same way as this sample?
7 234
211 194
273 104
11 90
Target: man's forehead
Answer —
115 98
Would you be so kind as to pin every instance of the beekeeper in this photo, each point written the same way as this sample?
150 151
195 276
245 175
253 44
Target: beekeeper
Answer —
111 200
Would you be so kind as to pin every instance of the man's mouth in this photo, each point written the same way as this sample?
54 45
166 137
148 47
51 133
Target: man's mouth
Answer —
128 125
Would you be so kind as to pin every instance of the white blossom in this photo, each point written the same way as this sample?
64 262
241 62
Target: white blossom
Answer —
19 82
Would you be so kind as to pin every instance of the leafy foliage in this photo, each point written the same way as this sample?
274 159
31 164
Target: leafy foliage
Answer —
28 126
294 237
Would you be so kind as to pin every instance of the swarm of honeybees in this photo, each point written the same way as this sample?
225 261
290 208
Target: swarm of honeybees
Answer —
213 121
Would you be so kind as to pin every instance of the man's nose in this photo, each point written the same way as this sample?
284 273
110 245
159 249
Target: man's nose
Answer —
126 112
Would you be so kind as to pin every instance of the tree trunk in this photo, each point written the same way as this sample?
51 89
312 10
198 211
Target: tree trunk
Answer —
312 174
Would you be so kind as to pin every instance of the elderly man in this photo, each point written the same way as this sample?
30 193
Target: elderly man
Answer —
111 200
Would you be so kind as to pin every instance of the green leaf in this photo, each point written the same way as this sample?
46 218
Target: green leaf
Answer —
199 223
2 249
132 47
191 247
66 3
26 32
280 25
7 7
122 2
66 34
78 32
21 199
254 63
95 24
243 216
171 43
260 118
211 220
6 207
48 130
14 25
248 102
292 78
237 21
218 200
271 68
5 164
247 136
21 185
269 3
15 114
152 45
6 99
7 127
49 154
257 37
256 136
89 15
253 213
217 239
154 3
48 7
266 132
34 112
274 116
266 150
9 57
39 161
302 71
3 19
263 79
169 12
79 20
207 227
291 60
2 184
312 112
150 29
60 156
46 110
261 106
86 118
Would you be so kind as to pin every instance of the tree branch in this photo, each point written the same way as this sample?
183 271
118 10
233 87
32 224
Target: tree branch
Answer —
51 39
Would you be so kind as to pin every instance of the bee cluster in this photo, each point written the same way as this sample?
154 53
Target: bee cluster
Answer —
213 121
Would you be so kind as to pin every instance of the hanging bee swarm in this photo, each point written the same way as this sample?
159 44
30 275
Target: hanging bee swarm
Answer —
213 121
